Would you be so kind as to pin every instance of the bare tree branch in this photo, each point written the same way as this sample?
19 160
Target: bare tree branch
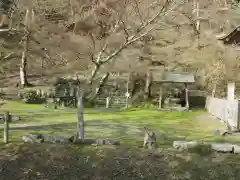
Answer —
161 12
125 30
138 11
98 59
136 37
99 56
193 23
144 29
8 56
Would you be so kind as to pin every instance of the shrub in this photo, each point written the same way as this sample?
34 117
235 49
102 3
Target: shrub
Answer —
32 97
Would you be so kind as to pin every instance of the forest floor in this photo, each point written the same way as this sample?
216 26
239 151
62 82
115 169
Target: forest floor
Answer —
127 161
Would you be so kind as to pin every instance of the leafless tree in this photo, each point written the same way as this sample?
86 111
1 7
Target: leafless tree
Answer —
120 24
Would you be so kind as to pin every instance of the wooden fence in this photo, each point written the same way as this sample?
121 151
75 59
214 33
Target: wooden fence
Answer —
225 110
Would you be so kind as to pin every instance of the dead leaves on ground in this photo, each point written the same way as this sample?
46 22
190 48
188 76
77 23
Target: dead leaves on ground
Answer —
89 162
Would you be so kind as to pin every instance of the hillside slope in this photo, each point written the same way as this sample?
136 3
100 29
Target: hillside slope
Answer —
173 43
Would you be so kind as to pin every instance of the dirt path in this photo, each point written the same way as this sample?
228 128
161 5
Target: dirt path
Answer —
210 121
206 116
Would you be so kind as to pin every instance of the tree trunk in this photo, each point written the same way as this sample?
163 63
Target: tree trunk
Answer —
80 124
197 16
214 89
94 73
196 11
101 84
23 66
147 85
127 91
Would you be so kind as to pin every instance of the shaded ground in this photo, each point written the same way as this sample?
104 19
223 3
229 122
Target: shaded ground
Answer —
61 162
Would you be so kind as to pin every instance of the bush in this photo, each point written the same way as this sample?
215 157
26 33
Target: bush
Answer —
32 97
147 105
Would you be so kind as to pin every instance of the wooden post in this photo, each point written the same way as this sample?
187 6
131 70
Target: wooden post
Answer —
80 124
160 97
186 96
107 102
6 127
147 84
127 99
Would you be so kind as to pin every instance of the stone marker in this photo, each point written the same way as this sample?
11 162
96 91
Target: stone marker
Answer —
222 147
236 149
219 147
45 138
184 145
32 138
15 118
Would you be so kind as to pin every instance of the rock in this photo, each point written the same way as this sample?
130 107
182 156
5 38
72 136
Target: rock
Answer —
221 132
193 146
184 145
40 138
98 141
15 118
236 149
45 138
32 138
222 147
55 139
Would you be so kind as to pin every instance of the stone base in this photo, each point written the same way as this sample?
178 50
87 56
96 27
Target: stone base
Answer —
219 147
45 138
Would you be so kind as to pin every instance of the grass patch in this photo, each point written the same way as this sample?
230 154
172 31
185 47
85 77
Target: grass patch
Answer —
126 161
126 125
